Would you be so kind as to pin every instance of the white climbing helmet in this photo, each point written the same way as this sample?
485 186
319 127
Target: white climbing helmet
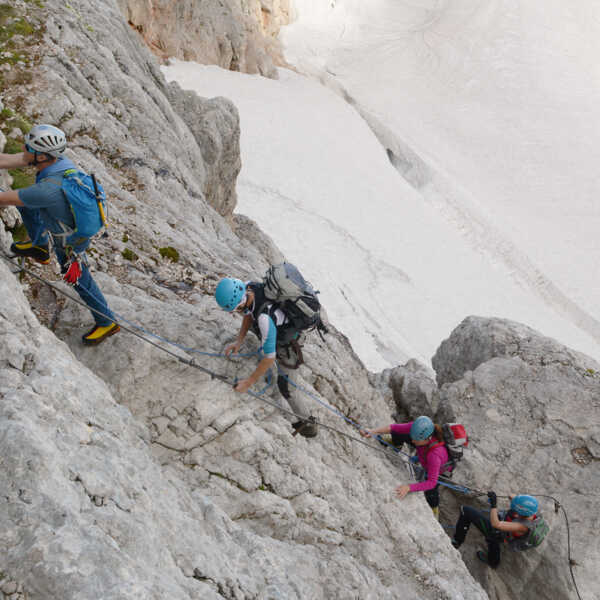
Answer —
46 139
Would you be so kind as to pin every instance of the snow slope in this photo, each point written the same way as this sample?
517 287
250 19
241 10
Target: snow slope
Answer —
396 273
491 111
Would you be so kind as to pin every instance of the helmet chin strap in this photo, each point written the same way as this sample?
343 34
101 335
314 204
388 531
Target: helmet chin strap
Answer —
37 162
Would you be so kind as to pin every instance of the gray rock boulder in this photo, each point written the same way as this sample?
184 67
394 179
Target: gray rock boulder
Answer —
478 339
531 407
414 391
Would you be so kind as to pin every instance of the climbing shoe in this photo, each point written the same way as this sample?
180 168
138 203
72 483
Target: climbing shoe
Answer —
436 512
455 543
98 334
39 253
482 555
307 428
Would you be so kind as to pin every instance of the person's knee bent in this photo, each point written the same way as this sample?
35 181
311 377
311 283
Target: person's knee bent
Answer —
433 497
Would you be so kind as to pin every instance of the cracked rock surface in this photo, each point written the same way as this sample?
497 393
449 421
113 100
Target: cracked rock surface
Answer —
531 407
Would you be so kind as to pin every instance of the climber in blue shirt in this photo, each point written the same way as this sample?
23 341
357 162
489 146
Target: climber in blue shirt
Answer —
45 209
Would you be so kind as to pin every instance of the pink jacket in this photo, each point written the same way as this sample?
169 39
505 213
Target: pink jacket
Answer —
431 458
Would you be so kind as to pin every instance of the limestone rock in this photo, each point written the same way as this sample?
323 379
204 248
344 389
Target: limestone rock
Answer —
236 35
247 230
215 125
129 474
101 496
531 407
414 390
478 339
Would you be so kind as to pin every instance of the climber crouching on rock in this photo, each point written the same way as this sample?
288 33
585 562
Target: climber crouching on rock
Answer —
264 318
44 208
428 439
522 527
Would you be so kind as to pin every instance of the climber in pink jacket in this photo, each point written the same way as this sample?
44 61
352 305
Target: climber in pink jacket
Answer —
431 452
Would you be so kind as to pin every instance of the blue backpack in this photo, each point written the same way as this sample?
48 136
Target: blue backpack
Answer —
87 200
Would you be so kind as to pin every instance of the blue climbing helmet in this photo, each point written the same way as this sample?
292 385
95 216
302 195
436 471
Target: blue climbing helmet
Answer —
229 293
421 429
524 505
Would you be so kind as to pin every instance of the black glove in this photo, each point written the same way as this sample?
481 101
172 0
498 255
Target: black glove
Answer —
492 499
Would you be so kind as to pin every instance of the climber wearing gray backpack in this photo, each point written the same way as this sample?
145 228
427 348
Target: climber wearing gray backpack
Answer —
278 310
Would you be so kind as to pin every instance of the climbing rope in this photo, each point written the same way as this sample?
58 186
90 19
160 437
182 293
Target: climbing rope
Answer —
190 362
572 563
557 506
343 416
138 330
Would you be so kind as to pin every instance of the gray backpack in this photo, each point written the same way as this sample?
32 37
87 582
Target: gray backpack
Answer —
538 530
285 287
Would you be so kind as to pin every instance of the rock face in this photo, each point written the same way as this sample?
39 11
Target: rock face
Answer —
531 407
414 392
199 493
236 35
477 340
126 473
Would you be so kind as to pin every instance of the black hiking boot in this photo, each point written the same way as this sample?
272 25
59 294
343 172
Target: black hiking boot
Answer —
307 428
482 555
455 543
39 253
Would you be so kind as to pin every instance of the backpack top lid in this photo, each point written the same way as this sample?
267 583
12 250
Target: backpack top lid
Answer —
285 282
455 434
456 439
284 285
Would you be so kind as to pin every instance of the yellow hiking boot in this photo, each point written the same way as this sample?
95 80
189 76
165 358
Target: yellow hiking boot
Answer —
98 334
39 253
436 512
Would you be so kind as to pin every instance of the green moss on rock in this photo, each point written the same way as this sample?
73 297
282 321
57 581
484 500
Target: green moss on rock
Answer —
170 253
22 178
129 254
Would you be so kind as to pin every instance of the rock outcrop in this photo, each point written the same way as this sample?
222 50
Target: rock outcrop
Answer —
531 407
236 35
127 474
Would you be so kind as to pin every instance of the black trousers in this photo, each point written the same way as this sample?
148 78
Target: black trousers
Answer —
433 495
493 537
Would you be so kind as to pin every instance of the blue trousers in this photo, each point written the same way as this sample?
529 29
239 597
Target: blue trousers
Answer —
86 287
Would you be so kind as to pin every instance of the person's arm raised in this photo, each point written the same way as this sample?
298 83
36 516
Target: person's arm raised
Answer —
15 161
